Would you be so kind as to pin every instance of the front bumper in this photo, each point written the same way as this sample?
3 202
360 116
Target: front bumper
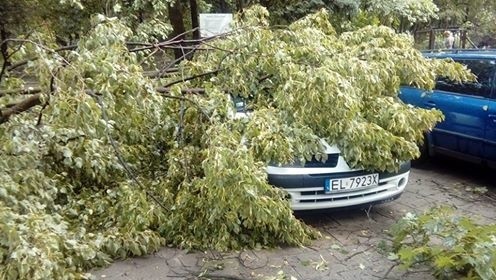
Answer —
306 190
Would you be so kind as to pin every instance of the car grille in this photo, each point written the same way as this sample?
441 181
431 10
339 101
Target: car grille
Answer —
320 196
332 161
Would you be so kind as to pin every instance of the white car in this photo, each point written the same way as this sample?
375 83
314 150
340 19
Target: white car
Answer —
332 184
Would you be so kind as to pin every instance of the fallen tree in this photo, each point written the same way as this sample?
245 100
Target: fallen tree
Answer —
109 162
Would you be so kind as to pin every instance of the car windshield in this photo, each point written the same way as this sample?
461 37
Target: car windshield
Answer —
484 69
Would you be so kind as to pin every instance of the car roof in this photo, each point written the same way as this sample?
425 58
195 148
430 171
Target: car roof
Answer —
462 54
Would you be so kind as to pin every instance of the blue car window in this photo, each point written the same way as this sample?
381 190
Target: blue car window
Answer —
483 69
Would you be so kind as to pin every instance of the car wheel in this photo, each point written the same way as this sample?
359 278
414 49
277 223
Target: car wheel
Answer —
424 151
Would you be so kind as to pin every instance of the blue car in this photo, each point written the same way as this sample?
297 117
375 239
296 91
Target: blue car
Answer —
469 129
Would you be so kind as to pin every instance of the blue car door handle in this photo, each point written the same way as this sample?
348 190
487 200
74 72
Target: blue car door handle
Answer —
430 104
492 118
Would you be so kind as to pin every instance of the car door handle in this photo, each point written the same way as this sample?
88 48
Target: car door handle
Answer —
431 104
492 118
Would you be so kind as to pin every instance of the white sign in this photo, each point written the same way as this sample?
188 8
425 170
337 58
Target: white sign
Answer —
215 24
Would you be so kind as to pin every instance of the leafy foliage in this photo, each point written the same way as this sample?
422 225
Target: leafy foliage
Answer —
114 163
341 87
477 16
454 246
412 10
297 9
70 19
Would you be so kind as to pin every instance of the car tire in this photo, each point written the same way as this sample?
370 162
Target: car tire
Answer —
424 151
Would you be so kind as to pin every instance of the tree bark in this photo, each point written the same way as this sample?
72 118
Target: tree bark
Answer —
4 51
265 3
177 22
223 6
4 35
195 24
239 6
20 107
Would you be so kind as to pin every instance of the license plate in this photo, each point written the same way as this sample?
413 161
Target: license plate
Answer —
341 184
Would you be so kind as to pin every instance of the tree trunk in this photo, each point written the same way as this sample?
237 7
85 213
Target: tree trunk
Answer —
195 24
223 6
402 27
4 50
178 29
239 6
265 3
4 35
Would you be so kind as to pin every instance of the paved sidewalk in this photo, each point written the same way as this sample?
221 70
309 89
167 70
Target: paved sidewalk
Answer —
350 249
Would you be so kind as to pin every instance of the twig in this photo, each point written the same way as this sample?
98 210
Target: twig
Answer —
148 56
31 90
73 47
195 47
184 91
368 212
217 48
220 276
168 44
52 90
180 35
436 183
159 74
121 160
357 253
192 77
265 77
139 44
34 100
174 43
24 62
53 51
172 63
181 124
389 270
189 100
489 197
22 91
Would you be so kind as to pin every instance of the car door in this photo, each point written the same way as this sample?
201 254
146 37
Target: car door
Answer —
465 107
490 134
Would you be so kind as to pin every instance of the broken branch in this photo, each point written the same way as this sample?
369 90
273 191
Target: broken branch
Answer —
20 107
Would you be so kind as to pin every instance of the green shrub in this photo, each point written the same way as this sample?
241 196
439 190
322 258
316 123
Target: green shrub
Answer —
454 246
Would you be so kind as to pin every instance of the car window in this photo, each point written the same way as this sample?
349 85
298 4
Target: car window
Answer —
483 69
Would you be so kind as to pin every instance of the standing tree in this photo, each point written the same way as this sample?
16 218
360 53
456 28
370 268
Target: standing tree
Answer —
477 16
